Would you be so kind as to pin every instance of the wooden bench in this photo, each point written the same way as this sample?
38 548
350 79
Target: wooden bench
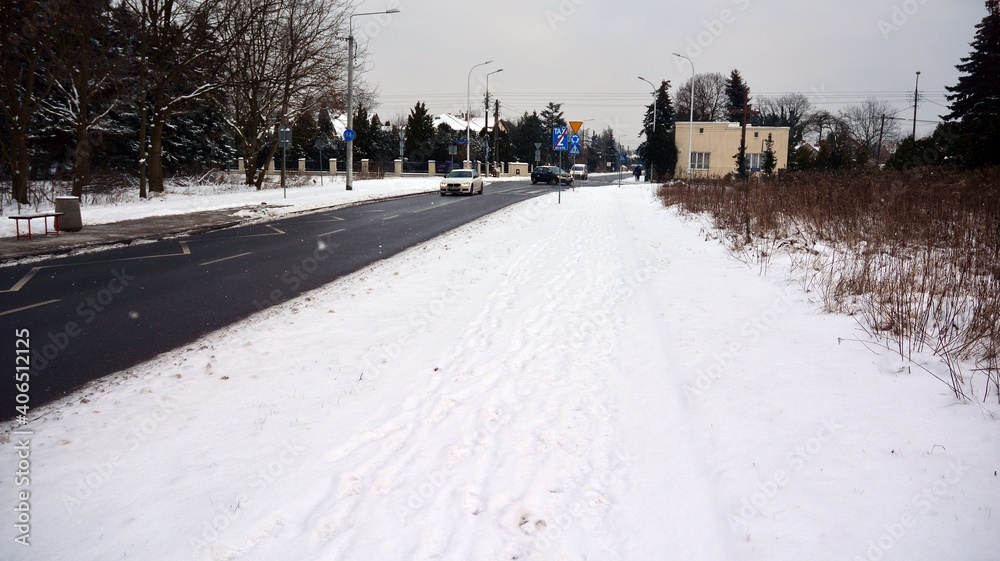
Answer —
17 218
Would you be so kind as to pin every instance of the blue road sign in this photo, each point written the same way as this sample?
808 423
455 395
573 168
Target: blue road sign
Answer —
575 139
560 138
574 149
350 135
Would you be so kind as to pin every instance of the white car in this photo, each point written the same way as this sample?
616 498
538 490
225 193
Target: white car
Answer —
579 171
462 181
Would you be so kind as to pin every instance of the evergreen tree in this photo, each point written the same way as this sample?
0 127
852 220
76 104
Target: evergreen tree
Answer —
419 133
595 153
737 91
362 135
552 117
769 161
528 130
975 100
305 133
659 150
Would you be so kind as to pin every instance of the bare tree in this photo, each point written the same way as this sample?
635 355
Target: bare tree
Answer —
27 30
709 95
870 124
293 59
789 110
184 45
83 79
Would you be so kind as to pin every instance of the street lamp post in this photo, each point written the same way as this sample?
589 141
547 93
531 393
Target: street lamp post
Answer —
691 116
468 114
649 141
488 117
350 91
916 96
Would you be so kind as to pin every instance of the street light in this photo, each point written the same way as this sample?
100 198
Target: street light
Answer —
468 114
916 96
649 140
691 121
488 116
350 91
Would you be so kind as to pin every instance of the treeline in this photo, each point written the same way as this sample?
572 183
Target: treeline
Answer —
95 86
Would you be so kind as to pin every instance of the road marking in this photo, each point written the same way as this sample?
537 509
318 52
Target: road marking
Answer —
22 308
225 259
391 217
332 233
185 250
24 280
329 219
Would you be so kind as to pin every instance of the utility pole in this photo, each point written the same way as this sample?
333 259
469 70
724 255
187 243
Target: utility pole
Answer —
744 113
916 97
881 131
496 137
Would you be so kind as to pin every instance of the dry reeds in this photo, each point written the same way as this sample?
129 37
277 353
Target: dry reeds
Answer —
914 255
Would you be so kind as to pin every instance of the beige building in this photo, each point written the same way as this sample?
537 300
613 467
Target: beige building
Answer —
715 146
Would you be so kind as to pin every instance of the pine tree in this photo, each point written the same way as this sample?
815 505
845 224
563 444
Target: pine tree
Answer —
769 161
975 100
736 92
419 133
659 150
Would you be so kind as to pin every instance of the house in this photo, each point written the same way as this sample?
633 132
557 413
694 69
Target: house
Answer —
456 123
715 145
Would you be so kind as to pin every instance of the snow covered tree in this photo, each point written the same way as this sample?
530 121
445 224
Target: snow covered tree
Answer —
659 150
28 29
85 81
291 59
975 100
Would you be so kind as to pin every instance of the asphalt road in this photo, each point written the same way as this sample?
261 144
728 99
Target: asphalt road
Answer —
87 316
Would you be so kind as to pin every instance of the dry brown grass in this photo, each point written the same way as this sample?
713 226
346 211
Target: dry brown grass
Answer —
915 256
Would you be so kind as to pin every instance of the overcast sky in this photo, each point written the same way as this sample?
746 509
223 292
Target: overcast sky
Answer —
588 54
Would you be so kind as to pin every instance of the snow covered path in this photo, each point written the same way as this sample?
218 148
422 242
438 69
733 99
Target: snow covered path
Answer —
589 380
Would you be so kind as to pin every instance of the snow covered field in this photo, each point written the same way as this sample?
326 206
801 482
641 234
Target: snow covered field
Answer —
586 380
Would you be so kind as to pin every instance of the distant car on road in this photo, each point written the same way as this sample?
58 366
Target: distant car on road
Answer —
444 168
550 174
462 181
579 171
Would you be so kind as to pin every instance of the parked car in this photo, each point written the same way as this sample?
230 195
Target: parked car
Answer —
444 168
579 171
552 175
462 181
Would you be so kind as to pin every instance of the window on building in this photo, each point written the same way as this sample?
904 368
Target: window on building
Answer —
701 130
700 160
756 135
754 160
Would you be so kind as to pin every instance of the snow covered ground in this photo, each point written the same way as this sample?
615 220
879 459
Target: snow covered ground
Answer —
588 380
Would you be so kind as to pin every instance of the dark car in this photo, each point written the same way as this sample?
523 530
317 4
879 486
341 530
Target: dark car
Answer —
550 174
444 168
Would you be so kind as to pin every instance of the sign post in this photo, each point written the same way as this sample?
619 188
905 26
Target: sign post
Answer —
284 140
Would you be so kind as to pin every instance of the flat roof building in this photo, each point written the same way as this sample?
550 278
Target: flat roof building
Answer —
714 146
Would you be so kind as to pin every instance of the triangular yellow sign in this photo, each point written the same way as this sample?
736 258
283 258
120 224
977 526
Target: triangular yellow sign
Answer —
575 126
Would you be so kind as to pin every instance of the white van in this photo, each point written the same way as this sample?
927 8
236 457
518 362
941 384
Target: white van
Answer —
579 171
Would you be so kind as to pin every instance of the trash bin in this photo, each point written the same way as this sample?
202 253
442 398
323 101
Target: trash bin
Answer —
70 221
